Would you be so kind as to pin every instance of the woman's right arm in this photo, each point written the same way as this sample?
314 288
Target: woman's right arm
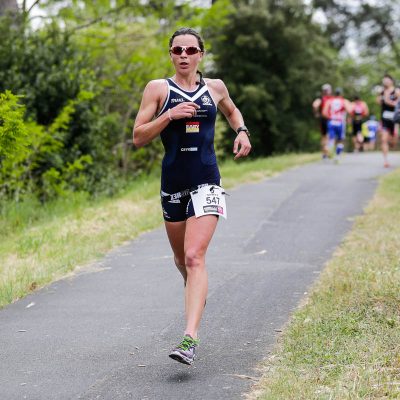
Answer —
147 127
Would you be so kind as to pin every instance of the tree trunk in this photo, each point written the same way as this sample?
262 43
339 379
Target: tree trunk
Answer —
8 6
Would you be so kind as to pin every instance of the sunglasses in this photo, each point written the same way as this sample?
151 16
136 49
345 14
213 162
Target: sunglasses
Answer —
190 50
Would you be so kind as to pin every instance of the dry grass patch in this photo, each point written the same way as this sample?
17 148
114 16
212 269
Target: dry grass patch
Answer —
344 343
47 252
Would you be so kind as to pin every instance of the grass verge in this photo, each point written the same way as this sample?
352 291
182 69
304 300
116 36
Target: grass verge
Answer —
42 243
344 342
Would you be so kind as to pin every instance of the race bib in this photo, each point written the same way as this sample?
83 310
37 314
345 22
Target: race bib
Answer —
209 200
388 115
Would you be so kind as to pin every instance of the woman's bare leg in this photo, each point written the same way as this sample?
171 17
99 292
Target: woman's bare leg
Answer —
176 236
385 146
199 232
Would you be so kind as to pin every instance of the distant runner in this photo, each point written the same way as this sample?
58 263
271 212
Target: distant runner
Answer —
370 130
359 112
318 105
388 100
335 111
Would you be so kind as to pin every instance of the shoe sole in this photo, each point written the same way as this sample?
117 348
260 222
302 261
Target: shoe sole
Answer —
180 358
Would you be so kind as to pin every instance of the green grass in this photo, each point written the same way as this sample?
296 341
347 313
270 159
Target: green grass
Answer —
43 243
344 342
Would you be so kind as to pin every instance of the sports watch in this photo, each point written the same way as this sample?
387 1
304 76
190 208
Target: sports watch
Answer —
243 129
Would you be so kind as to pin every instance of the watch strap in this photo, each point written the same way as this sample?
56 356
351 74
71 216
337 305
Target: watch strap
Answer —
243 129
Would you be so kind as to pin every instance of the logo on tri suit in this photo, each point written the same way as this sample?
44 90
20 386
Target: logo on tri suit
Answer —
188 148
192 127
206 100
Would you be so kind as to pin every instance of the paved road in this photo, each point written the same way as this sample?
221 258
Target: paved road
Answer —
105 333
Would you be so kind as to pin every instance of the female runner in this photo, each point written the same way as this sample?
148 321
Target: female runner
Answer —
182 110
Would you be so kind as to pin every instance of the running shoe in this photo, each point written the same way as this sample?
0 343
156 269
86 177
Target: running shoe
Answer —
185 351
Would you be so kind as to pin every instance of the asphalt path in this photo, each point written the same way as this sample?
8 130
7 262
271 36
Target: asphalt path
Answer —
105 333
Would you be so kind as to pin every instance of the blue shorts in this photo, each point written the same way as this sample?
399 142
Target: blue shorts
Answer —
336 130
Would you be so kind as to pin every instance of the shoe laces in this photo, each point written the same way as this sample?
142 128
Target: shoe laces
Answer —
187 343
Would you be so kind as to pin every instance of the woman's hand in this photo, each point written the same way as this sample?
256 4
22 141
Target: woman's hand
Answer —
186 109
241 145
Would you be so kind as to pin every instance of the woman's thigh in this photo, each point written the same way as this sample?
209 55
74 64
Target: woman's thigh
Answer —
199 232
176 236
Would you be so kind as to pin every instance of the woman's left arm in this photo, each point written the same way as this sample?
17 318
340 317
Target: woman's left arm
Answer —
241 145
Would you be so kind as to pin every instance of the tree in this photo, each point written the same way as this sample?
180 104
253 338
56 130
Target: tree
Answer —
377 25
8 6
273 59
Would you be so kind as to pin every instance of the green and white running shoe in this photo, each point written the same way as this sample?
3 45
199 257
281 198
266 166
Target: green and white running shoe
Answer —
185 351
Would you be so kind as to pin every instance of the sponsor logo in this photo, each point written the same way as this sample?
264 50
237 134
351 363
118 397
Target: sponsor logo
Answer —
178 195
192 127
188 148
177 201
206 100
178 100
209 209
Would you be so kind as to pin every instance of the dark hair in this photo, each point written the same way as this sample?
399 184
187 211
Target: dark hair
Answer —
187 31
390 77
356 97
190 31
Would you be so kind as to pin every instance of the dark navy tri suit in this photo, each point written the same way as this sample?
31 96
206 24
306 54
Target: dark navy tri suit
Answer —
387 113
189 159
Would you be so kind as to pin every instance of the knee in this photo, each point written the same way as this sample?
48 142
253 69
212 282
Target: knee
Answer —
193 258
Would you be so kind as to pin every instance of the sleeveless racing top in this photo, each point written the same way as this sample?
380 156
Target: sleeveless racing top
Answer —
189 158
387 109
337 109
324 100
358 110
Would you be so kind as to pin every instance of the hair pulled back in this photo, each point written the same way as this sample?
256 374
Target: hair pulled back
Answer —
187 31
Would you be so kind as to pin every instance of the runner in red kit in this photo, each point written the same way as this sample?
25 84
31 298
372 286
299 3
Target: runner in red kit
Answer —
359 112
336 110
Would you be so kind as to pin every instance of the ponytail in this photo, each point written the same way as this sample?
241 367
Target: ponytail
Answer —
201 79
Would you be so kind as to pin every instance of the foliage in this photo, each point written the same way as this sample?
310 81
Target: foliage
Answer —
373 31
65 122
108 51
35 164
273 59
377 24
13 133
81 71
